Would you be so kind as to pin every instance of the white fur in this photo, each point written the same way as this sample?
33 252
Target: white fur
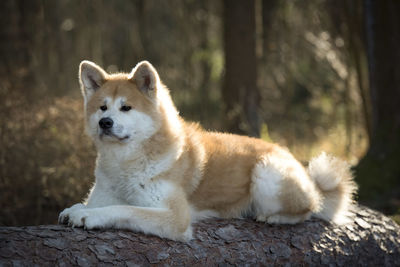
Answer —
320 169
108 207
329 173
101 194
267 179
121 189
131 192
126 124
65 213
123 217
287 219
265 190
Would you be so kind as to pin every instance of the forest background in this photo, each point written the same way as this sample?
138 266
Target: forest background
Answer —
310 75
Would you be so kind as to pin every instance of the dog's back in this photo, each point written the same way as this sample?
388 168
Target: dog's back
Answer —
156 173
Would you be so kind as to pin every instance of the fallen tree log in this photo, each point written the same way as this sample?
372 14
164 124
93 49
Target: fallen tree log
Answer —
372 239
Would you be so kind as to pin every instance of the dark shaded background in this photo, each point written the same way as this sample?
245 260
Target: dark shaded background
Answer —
311 75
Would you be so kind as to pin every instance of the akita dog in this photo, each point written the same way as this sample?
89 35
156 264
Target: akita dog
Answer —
157 173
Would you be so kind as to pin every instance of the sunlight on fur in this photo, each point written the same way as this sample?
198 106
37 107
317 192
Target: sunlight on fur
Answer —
156 173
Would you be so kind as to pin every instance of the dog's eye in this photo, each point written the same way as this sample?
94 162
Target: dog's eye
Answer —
103 108
126 108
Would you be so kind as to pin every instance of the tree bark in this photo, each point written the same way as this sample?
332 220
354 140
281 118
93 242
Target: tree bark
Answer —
240 91
372 239
378 173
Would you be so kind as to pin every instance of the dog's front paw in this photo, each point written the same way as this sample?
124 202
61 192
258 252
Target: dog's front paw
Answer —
94 220
76 218
87 218
63 218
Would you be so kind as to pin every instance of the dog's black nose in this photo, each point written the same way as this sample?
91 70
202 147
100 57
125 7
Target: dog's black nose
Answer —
106 123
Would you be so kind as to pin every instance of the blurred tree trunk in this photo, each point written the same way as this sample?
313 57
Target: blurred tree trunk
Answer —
355 35
19 20
240 91
268 9
205 63
378 173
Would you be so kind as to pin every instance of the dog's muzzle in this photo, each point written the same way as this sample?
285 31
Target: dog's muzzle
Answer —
106 123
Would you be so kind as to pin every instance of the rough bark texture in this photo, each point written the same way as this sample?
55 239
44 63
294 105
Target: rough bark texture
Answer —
372 239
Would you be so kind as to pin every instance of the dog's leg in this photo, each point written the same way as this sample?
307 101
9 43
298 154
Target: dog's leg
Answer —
171 219
98 197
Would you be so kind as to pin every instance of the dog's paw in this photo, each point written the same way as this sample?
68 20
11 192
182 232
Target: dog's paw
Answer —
86 218
94 220
63 218
77 217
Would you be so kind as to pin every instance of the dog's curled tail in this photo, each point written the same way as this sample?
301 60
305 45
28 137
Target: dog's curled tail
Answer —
336 185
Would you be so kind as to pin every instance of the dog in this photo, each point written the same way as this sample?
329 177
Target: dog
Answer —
156 173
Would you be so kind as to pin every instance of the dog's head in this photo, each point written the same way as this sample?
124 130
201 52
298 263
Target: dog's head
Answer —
120 108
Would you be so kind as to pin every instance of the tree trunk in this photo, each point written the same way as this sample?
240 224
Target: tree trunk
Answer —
20 23
240 91
269 8
378 173
372 239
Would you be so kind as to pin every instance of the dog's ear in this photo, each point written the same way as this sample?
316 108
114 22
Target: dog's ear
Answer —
91 78
145 76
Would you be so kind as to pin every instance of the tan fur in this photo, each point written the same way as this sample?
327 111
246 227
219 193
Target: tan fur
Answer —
225 186
216 172
120 85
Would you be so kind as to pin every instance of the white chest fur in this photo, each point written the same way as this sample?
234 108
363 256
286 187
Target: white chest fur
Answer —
134 183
